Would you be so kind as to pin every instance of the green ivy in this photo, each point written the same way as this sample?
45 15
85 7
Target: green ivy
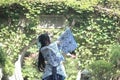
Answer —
95 32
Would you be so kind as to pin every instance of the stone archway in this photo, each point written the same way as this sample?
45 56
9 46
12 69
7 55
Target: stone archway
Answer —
46 21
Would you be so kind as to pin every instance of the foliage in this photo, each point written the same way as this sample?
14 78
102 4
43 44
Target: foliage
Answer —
115 55
8 1
93 39
71 67
101 70
8 68
14 39
29 71
2 57
94 31
5 63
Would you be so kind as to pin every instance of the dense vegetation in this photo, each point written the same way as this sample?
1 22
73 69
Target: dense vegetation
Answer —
95 25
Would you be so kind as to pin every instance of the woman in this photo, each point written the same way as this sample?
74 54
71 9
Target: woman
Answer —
50 59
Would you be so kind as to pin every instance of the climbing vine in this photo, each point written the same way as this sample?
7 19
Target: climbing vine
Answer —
96 29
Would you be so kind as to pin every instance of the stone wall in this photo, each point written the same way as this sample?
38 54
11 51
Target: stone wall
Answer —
52 21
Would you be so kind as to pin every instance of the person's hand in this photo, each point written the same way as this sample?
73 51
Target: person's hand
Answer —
73 56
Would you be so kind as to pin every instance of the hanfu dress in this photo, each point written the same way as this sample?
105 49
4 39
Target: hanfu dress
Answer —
54 65
54 69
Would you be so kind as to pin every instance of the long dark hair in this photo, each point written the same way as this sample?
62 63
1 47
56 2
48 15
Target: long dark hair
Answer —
43 39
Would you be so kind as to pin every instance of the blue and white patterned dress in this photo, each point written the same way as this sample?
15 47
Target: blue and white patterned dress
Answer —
53 58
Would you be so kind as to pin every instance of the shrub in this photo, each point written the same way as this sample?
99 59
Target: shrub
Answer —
115 56
101 70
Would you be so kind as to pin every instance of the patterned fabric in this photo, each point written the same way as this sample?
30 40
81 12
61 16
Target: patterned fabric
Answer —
68 43
53 58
